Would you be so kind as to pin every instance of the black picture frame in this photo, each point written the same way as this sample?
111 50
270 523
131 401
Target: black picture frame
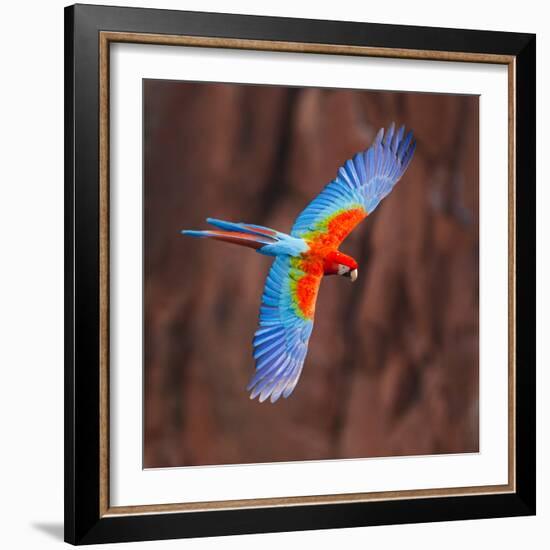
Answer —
84 522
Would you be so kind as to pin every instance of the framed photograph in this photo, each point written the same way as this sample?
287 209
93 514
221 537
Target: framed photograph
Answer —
299 274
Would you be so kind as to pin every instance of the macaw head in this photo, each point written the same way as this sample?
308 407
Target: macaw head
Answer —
337 263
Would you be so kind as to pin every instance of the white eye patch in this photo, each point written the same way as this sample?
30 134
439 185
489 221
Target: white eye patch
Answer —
342 269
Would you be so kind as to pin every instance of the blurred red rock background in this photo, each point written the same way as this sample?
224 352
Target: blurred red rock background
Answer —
392 367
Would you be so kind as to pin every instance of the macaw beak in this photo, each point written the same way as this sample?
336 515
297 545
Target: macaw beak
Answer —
353 275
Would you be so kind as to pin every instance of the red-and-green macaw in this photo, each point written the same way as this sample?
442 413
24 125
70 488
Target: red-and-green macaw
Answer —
308 253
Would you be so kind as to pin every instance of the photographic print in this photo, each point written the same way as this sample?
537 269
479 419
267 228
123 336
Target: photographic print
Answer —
344 324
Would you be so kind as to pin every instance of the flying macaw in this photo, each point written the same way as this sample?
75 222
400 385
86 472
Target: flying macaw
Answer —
311 251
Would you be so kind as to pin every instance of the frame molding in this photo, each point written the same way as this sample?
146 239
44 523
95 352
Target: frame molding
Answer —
88 515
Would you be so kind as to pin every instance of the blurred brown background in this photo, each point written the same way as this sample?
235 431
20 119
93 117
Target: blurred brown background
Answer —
392 367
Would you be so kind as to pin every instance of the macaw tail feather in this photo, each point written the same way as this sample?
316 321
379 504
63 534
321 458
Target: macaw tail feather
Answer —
265 240
235 237
248 228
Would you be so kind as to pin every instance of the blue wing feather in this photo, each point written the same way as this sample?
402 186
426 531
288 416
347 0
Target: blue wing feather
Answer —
365 180
281 341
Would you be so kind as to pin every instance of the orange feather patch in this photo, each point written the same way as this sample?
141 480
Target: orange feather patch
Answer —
322 241
307 286
333 231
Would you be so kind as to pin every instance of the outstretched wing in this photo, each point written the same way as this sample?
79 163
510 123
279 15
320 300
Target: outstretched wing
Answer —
286 322
358 188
